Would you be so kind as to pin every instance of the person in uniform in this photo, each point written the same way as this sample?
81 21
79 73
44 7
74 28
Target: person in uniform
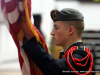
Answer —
37 23
75 58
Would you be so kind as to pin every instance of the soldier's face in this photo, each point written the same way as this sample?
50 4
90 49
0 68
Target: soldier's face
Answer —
60 33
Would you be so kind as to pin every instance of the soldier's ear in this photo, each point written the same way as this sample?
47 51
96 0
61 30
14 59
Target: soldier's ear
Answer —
71 30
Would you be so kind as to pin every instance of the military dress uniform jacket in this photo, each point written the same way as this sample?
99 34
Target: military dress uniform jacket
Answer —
51 66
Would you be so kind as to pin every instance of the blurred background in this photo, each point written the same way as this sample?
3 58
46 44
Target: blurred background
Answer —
9 63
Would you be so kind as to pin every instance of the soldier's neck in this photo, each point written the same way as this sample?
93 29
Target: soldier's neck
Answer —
68 44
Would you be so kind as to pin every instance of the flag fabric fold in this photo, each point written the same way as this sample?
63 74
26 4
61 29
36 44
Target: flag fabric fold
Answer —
15 13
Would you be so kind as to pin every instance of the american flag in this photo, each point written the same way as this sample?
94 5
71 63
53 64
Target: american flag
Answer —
12 11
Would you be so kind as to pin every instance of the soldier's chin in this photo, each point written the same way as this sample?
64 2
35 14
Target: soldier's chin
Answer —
57 44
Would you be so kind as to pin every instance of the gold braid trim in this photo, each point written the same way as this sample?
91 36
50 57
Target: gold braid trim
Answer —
30 26
37 71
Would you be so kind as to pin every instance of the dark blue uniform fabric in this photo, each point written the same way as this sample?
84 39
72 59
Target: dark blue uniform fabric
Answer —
49 65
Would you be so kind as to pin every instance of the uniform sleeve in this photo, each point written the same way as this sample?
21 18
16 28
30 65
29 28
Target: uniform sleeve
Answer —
47 64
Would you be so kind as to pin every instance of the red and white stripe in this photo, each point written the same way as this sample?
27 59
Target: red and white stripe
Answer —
11 15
